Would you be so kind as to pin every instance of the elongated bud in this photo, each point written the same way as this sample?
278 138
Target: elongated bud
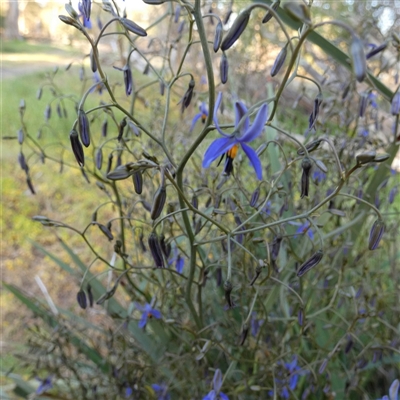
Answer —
279 61
165 246
39 93
243 334
119 173
269 15
84 128
70 21
228 290
376 233
298 11
300 317
364 158
155 249
81 298
158 202
311 146
154 2
381 157
90 294
305 177
121 128
376 50
20 136
104 127
276 246
137 178
228 15
254 197
128 80
257 274
310 263
359 60
349 345
109 163
106 231
218 37
236 30
132 27
187 98
177 13
162 88
47 112
99 158
323 366
395 105
93 64
22 162
77 148
223 68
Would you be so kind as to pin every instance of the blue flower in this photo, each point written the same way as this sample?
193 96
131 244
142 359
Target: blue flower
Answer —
100 85
128 392
216 394
303 228
243 133
84 8
161 391
318 176
287 378
147 312
255 324
178 260
45 385
203 114
372 98
393 391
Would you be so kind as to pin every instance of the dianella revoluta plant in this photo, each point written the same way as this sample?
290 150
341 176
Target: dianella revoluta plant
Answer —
271 275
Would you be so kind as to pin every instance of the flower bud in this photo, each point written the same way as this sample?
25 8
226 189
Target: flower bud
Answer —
128 79
47 112
81 298
71 11
223 68
104 127
155 250
119 173
20 136
363 104
92 59
269 15
310 263
30 185
236 30
22 162
177 13
132 27
106 231
154 2
90 295
227 291
358 57
218 37
279 61
381 157
275 247
109 163
39 93
84 128
254 197
99 158
305 177
395 105
187 98
243 334
366 157
376 233
158 202
323 366
77 148
311 146
70 21
300 317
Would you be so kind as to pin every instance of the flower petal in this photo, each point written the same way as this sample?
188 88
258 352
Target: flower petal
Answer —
257 126
216 106
253 157
203 108
156 314
240 110
143 321
194 120
216 149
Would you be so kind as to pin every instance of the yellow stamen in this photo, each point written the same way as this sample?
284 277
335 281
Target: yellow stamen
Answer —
231 153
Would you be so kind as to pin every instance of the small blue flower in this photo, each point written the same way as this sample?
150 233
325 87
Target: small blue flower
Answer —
147 312
128 392
393 391
363 132
216 394
303 228
244 133
161 391
178 260
83 9
372 98
287 378
100 85
318 176
45 385
203 114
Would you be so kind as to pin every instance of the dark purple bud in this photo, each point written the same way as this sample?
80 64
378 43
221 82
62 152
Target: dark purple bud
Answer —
395 106
298 11
376 50
137 179
22 162
349 345
162 88
177 13
128 80
99 23
279 61
132 27
359 60
392 194
310 263
146 69
122 126
300 317
180 27
243 334
109 163
119 173
141 242
218 276
236 30
313 116
187 98
228 291
155 249
39 93
376 233
81 73
81 298
104 127
30 185
305 177
381 157
90 294
254 197
93 64
77 147
158 202
323 366
227 16
365 158
269 15
223 68
154 2
275 247
106 231
20 136
218 37
257 274
363 104
58 109
99 158
47 112
84 128
377 356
